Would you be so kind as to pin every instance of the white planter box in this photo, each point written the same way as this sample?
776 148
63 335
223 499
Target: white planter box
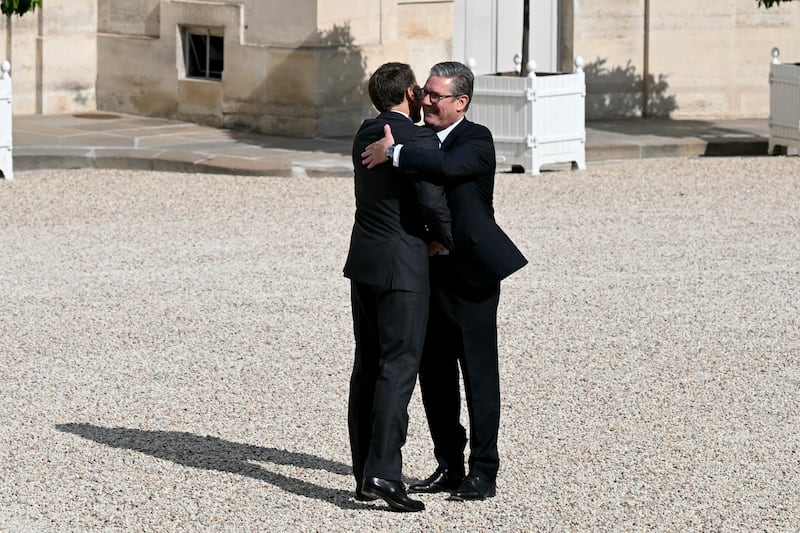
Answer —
784 105
536 120
6 161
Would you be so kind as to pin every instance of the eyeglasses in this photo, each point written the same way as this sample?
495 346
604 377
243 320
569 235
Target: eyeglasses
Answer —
435 98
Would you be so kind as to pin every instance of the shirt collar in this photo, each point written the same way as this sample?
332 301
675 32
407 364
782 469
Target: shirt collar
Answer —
445 132
400 113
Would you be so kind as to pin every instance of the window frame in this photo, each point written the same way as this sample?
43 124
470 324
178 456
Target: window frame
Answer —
188 34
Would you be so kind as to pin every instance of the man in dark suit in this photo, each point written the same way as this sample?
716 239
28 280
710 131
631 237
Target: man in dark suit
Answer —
388 267
465 287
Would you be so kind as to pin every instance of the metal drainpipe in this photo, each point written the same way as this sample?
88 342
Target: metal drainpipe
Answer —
646 61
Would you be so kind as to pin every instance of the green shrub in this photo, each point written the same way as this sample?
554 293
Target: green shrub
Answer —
19 7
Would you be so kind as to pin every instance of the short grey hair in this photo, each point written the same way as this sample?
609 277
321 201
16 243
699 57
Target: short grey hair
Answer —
461 74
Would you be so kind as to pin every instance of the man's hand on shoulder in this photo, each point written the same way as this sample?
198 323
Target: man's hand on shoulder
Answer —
375 154
434 247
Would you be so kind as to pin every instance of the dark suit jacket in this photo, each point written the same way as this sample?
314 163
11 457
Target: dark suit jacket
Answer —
387 245
484 254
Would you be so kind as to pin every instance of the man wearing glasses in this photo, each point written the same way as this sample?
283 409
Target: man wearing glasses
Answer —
389 271
465 287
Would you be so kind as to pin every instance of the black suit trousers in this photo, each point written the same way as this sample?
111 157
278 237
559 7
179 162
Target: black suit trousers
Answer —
389 327
462 329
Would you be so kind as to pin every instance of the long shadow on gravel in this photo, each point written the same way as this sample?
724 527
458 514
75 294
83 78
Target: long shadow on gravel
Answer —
211 453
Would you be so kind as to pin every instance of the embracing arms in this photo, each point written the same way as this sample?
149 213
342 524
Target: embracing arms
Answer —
473 154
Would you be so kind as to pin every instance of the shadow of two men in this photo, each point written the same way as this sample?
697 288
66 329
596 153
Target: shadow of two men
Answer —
212 453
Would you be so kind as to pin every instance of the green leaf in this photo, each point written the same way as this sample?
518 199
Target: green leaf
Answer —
769 3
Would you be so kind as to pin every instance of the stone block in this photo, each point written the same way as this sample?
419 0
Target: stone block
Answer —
131 17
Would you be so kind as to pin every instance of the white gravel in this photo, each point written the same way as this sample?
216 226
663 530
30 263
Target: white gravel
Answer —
176 350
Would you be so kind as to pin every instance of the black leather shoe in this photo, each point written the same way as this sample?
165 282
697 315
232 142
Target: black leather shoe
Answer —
443 480
360 496
474 488
392 492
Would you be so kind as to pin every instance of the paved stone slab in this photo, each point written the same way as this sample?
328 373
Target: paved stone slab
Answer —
45 136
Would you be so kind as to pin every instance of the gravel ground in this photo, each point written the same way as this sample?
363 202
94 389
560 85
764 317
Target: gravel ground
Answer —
176 352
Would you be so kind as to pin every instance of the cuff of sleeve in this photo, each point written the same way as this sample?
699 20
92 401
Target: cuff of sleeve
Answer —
396 155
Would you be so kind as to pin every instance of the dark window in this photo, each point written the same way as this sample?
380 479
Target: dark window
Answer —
203 54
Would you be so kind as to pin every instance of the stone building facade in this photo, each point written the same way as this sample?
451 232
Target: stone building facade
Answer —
299 67
686 59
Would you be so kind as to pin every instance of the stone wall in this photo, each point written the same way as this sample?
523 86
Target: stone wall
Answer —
688 59
293 68
53 58
300 67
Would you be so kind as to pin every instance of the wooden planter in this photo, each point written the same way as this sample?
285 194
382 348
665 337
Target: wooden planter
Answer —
535 120
6 160
784 106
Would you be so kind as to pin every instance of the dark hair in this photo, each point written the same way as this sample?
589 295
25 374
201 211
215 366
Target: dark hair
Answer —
462 76
388 84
